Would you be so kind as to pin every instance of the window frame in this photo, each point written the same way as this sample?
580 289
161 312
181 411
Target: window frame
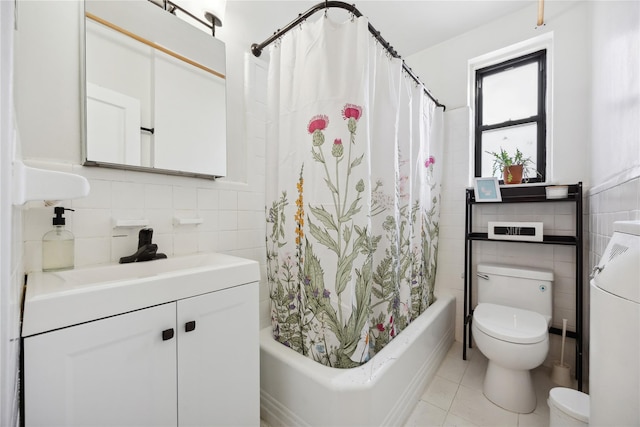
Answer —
540 119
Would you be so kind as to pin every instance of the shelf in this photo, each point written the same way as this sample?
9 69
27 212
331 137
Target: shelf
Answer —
31 183
130 223
528 194
547 240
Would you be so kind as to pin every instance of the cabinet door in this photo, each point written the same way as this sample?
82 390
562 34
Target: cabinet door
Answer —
219 360
112 372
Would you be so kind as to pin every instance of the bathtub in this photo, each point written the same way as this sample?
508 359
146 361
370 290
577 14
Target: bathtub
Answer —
296 391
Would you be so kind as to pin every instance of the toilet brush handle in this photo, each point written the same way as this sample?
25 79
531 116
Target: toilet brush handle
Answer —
564 335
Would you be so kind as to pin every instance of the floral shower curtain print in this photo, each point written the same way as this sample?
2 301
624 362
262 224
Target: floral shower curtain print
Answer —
353 179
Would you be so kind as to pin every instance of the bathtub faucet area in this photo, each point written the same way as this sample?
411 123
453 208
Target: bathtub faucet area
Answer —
147 251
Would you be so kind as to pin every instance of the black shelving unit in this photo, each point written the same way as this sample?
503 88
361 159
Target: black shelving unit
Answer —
527 194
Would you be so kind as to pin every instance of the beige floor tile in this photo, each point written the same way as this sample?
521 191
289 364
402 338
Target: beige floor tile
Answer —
440 392
455 421
542 383
474 375
455 350
471 405
426 415
452 368
533 420
457 387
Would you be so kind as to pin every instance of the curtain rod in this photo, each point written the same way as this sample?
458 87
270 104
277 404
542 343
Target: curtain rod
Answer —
256 48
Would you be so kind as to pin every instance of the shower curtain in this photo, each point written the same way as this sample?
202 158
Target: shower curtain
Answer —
354 156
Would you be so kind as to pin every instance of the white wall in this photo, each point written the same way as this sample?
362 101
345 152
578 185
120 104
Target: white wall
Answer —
615 156
616 91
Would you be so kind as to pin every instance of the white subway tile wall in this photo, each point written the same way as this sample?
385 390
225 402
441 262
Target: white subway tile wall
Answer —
619 202
225 226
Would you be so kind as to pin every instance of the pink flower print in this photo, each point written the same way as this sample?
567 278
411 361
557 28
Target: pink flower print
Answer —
380 327
430 161
319 122
352 111
337 149
316 125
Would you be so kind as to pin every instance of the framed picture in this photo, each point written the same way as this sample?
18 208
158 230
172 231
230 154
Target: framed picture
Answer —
487 190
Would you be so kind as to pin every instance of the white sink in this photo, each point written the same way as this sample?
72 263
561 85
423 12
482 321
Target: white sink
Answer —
58 299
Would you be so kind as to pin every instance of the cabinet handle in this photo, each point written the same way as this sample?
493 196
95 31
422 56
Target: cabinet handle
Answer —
167 334
190 326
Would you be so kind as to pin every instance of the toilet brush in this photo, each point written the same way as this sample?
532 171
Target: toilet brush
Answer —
561 372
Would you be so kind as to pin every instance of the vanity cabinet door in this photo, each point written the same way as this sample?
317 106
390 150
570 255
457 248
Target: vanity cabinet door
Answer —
111 372
219 358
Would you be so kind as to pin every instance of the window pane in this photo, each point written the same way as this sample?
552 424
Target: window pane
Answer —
510 95
522 137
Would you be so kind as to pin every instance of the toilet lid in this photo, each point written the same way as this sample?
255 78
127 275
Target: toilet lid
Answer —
510 324
572 402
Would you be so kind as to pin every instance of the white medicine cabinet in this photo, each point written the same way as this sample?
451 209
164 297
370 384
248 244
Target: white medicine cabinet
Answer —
155 90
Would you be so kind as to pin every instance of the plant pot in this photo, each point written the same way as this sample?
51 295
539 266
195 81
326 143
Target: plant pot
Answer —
513 174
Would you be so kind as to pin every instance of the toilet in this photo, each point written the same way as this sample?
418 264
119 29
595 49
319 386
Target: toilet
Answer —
510 327
568 408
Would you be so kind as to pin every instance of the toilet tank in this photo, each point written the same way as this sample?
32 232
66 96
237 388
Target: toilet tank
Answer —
521 287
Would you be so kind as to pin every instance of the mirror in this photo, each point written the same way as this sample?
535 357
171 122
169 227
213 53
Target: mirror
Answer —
155 91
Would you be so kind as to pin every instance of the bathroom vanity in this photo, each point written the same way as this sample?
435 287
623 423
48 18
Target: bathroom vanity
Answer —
171 342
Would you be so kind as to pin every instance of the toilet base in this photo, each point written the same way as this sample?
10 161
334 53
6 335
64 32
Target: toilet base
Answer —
510 389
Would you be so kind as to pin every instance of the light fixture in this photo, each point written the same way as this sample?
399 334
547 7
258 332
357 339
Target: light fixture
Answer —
214 12
208 13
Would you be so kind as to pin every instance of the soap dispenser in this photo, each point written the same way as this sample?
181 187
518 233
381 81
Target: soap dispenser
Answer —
58 245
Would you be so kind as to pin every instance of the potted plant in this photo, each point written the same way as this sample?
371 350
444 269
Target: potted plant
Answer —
513 168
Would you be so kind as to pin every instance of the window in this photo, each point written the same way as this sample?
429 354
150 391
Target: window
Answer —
510 113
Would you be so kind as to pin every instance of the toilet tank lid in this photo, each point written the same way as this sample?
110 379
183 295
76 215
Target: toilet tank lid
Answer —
516 271
571 402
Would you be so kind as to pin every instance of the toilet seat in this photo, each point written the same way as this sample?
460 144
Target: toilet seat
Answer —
510 324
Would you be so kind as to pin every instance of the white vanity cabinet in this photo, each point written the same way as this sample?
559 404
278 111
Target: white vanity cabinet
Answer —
219 361
111 372
193 361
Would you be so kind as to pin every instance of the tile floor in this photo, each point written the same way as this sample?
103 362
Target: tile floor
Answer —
454 397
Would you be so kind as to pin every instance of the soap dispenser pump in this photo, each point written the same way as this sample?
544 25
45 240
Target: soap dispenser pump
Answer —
58 244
